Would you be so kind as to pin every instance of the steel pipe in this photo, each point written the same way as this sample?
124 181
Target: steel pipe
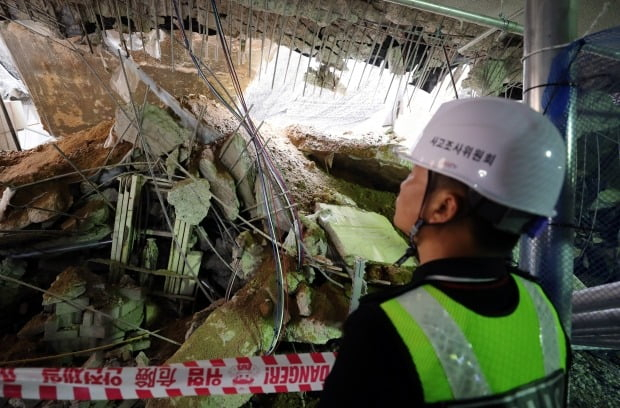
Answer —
612 341
591 331
487 33
550 256
597 298
600 319
487 21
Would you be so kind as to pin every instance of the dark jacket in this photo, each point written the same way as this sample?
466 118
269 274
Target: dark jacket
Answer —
374 367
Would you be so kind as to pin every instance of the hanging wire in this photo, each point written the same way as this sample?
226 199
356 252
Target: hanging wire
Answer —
264 164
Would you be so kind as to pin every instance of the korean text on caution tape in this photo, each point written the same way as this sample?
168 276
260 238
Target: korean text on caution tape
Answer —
240 375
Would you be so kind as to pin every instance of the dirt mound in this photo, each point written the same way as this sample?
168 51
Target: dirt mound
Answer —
84 149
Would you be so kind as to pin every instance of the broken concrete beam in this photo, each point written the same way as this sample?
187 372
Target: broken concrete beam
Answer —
160 132
358 233
213 113
222 184
133 293
368 163
140 345
131 320
235 154
191 200
205 133
294 279
128 306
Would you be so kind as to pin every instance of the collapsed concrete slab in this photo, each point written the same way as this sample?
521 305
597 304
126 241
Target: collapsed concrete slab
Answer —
235 156
374 164
236 328
191 200
222 184
159 131
357 233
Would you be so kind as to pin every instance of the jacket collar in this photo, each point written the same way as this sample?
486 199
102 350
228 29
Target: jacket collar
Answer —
458 268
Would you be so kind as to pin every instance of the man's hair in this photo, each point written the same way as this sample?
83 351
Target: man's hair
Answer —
486 235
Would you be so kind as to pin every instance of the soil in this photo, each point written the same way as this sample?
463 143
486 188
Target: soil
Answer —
84 149
21 349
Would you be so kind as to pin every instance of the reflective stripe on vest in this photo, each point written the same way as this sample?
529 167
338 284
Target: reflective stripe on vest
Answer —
460 354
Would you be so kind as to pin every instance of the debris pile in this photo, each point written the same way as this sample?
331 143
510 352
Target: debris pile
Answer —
143 242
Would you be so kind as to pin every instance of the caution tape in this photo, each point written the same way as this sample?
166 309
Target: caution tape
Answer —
240 375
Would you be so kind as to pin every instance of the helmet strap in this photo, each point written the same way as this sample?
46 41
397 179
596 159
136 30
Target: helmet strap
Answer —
412 250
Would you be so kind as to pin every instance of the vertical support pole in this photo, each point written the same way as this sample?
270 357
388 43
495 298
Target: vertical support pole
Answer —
550 256
9 123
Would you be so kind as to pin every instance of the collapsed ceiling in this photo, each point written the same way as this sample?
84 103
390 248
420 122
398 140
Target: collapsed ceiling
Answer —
186 220
384 34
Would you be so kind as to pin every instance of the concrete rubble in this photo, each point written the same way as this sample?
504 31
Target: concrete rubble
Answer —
187 233
151 243
191 256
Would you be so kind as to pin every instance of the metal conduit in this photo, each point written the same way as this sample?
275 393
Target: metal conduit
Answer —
501 24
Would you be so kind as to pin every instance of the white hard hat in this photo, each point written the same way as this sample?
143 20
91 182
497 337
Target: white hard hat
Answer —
500 148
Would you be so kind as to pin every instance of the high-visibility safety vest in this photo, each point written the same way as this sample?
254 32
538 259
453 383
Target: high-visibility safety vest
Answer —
509 361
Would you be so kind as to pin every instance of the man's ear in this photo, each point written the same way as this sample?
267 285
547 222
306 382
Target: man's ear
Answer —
444 205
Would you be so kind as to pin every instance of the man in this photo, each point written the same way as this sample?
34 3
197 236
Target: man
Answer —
469 330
